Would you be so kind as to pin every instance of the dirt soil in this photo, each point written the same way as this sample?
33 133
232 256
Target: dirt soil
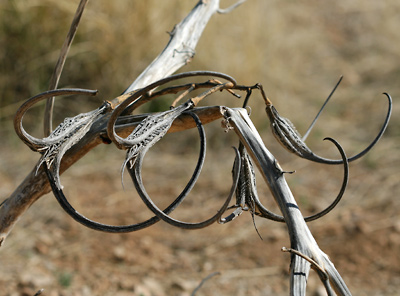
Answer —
48 250
297 50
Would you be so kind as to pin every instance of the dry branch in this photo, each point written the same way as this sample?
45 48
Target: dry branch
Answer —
300 236
149 128
178 52
55 77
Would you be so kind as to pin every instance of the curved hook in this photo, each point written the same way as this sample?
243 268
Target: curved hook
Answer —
34 143
136 95
66 135
185 225
58 193
70 210
378 137
369 147
285 133
342 189
265 213
136 178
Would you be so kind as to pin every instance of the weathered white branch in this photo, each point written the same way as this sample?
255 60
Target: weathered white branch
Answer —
305 251
230 8
176 54
300 236
181 46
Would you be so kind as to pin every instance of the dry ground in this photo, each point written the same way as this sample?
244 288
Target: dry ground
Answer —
47 249
297 49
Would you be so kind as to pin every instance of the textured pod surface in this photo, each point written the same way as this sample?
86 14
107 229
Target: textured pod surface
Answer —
286 134
150 131
67 134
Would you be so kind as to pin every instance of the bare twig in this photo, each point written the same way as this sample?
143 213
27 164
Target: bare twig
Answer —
230 8
312 262
203 281
55 78
314 265
320 111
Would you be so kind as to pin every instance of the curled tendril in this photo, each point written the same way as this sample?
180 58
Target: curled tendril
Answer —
58 193
342 189
286 134
67 133
133 100
34 143
153 128
137 180
265 213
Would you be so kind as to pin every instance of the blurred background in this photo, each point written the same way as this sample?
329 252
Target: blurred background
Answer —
297 50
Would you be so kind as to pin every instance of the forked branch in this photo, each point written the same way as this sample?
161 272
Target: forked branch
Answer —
184 36
299 233
112 123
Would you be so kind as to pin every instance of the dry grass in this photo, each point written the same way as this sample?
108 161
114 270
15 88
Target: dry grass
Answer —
297 50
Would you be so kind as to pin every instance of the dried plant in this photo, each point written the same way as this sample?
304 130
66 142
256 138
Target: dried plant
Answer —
112 122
